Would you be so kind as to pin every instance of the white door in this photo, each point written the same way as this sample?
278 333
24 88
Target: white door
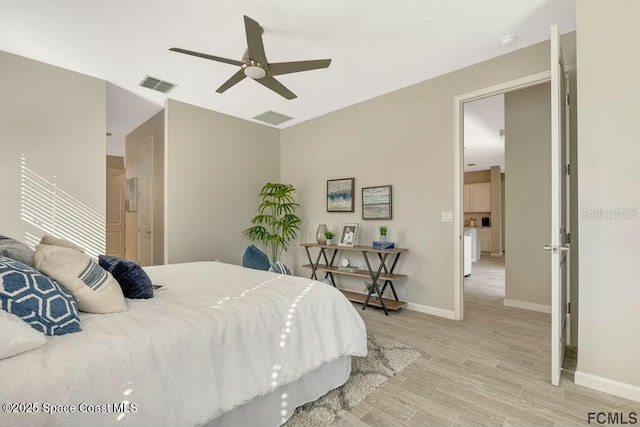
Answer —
145 202
115 212
558 246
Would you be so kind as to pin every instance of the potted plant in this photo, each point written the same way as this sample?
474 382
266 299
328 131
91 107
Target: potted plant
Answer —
329 236
368 287
383 233
276 223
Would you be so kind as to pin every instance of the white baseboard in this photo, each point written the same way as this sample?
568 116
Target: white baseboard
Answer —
435 311
527 305
496 254
427 309
606 385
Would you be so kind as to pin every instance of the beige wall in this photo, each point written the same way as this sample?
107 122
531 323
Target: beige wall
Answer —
528 194
56 119
153 127
405 139
216 165
608 152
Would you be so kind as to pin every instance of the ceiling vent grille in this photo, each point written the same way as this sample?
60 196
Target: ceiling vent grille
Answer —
272 118
157 84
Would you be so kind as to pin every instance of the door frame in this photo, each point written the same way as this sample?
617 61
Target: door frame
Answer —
150 139
458 172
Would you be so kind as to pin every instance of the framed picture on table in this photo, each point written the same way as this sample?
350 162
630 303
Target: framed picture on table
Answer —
348 235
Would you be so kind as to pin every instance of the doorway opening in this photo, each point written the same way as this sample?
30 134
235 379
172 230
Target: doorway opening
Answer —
460 102
483 198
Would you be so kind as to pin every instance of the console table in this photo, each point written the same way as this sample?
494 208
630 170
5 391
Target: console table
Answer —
328 253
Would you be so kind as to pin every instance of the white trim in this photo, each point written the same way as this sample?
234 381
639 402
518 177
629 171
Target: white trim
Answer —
166 182
434 311
150 197
458 170
527 305
628 391
496 254
427 309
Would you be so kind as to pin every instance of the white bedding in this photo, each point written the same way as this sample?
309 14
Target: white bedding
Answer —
213 338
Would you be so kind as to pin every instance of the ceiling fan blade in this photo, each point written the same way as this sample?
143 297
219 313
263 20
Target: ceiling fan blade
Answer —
254 41
277 87
206 56
294 67
233 80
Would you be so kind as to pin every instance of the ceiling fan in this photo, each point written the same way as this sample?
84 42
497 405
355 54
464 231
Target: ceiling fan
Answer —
254 63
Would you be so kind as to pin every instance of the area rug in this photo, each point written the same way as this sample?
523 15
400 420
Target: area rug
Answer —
385 359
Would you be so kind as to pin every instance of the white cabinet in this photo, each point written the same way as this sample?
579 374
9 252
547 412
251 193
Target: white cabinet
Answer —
467 255
477 197
485 239
474 243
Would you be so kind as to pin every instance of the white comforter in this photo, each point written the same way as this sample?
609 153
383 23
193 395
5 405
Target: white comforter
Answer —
213 338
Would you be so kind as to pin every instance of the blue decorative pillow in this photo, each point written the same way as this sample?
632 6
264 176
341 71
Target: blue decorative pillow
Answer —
280 268
133 280
37 299
256 259
18 251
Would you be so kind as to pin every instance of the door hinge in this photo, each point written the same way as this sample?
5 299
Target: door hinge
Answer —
568 307
568 100
568 169
568 237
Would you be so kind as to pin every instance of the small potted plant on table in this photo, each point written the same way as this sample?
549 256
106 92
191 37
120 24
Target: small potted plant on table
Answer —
329 236
368 287
383 233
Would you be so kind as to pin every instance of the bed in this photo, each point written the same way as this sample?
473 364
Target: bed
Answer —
218 345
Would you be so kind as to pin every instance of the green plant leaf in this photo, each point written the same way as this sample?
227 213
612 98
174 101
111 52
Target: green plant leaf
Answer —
276 223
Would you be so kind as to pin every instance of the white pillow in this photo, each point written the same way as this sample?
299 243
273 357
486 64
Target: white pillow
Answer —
94 289
56 241
16 336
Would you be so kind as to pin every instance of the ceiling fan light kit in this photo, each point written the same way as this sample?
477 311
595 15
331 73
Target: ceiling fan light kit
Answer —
254 63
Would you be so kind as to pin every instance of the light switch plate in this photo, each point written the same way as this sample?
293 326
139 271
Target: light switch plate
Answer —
446 216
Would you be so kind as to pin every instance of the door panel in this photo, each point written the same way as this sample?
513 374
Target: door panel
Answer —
558 246
115 213
145 202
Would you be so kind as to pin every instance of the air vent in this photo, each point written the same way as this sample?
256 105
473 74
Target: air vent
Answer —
157 84
273 118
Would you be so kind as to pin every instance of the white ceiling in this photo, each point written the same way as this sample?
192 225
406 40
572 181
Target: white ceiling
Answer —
377 47
483 145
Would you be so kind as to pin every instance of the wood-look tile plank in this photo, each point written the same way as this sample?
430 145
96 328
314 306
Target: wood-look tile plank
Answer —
491 369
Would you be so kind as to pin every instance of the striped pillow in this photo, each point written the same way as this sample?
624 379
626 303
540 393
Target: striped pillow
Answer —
95 290
280 268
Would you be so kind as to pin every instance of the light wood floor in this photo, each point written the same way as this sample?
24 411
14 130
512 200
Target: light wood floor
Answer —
490 369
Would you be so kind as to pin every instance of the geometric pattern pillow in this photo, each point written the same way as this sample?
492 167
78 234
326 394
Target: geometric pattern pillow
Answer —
133 280
94 289
37 299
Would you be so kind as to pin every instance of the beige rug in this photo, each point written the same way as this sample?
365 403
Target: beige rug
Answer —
385 359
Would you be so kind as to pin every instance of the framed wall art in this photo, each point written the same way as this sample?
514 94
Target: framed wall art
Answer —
340 195
376 202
